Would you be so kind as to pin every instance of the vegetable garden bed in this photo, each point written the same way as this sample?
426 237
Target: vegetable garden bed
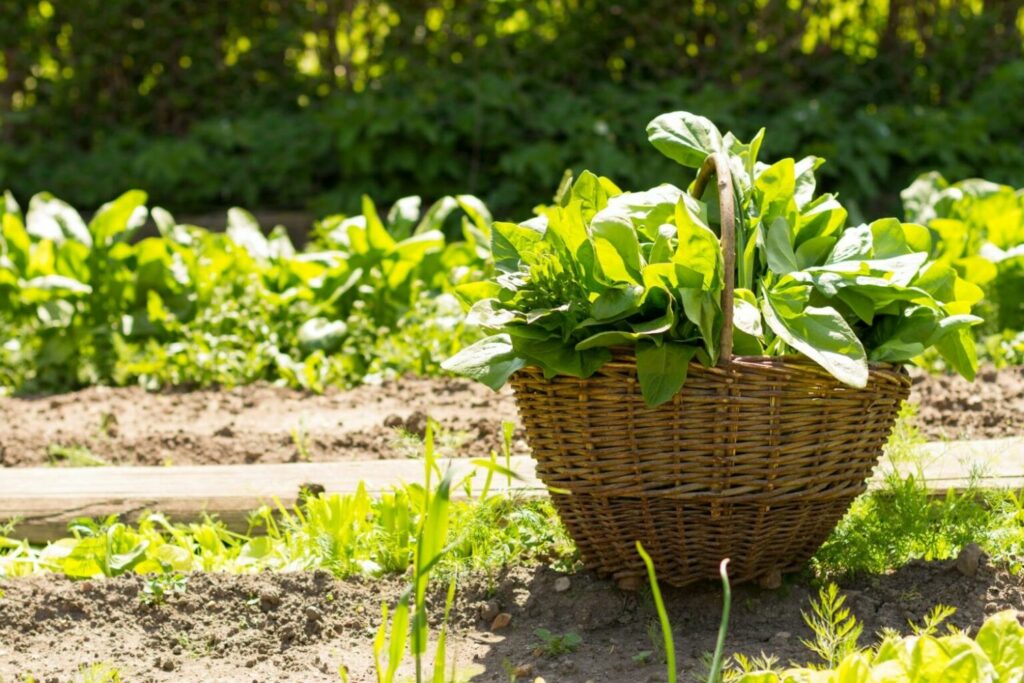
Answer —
266 424
302 627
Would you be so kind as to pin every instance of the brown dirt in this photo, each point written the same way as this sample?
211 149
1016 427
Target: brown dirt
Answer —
303 626
262 423
950 407
257 423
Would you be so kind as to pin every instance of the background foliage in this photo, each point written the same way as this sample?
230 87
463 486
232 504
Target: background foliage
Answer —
315 102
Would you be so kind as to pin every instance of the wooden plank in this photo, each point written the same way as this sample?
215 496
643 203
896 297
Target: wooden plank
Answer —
46 499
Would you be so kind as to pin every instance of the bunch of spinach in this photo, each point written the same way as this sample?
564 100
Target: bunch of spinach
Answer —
603 268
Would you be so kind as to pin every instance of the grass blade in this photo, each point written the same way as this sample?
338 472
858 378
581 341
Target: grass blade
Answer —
666 627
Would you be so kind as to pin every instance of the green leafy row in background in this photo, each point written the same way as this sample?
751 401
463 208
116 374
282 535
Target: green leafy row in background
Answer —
979 230
605 268
84 303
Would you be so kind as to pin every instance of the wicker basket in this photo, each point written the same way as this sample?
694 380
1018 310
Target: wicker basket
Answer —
755 459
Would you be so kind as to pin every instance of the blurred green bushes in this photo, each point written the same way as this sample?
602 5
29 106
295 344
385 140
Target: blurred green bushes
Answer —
315 102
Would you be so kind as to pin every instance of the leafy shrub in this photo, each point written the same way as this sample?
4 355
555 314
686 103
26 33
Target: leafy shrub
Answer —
605 268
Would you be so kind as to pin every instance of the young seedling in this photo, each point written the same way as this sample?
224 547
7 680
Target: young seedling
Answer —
835 630
159 587
73 456
553 645
301 441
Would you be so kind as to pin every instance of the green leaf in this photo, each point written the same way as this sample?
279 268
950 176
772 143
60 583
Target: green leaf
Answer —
684 137
245 232
591 194
814 251
855 245
646 211
608 339
558 359
1001 638
513 244
959 351
820 333
823 217
704 309
491 361
321 334
781 258
699 248
746 315
55 284
616 246
662 369
119 219
615 303
49 218
925 197
403 216
777 184
376 234
120 563
255 550
803 191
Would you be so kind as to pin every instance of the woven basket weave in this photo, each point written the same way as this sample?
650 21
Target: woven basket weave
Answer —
754 460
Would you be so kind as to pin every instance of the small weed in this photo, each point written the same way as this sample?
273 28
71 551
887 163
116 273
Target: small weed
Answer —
930 623
740 664
553 645
73 456
159 587
657 650
835 630
98 673
301 440
194 649
108 425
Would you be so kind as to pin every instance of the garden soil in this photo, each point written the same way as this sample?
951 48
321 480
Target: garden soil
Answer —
263 423
950 407
304 626
256 423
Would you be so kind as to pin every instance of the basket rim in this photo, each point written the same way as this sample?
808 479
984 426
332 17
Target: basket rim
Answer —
626 357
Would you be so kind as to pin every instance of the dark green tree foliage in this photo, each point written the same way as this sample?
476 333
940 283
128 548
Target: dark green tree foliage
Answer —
314 102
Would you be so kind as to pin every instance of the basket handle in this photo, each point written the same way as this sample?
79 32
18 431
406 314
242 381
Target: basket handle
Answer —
719 165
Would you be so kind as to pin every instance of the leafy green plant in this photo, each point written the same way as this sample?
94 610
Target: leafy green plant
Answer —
554 644
605 268
995 654
929 626
73 456
86 303
159 587
979 230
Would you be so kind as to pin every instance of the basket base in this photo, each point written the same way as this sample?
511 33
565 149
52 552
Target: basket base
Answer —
759 540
